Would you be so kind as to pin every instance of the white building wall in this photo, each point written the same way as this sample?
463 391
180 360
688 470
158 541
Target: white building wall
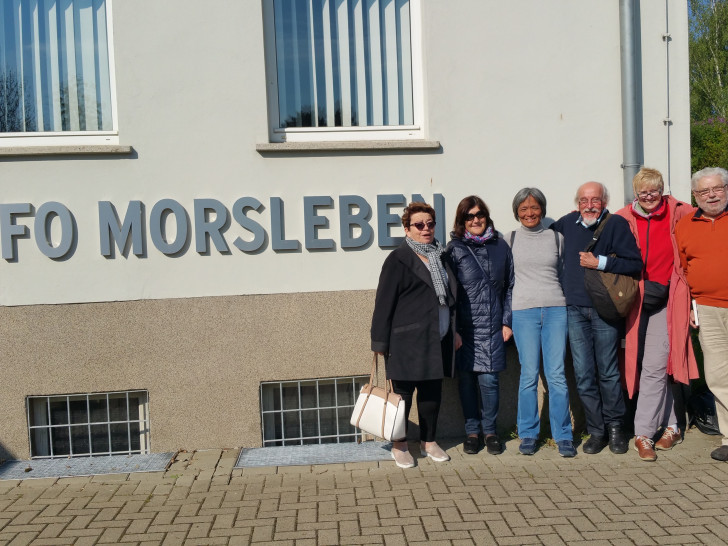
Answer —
518 93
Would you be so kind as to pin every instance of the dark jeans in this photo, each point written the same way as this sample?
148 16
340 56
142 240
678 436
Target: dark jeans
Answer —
429 395
594 345
479 395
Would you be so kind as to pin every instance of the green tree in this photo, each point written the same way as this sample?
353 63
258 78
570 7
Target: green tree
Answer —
709 143
708 58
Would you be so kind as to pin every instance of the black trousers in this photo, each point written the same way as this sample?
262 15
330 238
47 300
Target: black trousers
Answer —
429 396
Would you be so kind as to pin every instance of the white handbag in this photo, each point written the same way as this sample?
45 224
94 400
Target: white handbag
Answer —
379 411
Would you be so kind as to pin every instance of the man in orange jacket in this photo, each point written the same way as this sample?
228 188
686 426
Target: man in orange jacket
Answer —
702 242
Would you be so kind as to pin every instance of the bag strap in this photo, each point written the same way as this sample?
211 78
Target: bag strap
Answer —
487 277
388 388
558 242
597 233
513 238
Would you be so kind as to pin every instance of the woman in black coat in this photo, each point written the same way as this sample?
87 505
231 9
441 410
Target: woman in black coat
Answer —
413 326
483 264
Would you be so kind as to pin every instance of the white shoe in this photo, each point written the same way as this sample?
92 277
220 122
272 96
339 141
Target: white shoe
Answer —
436 453
402 459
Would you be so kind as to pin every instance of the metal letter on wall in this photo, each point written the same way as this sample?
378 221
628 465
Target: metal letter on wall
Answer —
277 229
348 221
43 219
386 219
158 222
312 221
213 228
10 230
251 225
109 228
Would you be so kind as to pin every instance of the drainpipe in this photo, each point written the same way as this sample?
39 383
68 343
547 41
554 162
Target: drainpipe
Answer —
632 146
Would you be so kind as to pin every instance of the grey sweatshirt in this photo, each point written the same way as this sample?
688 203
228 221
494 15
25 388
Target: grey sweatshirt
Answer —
538 267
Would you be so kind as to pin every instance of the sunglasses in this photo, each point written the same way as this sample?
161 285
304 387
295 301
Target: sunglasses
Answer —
479 215
421 225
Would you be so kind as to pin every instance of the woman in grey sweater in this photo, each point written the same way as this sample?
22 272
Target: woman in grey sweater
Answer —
539 322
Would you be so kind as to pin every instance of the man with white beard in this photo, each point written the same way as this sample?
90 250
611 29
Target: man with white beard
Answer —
594 342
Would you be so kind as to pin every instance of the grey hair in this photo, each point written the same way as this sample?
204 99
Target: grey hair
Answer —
708 171
524 194
605 193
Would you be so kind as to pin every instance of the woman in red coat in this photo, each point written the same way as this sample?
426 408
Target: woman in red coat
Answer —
658 341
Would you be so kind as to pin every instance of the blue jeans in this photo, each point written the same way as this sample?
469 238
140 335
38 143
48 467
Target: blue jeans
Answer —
594 344
480 415
535 330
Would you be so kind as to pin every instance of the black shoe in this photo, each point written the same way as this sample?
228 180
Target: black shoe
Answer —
493 444
471 445
720 454
594 444
618 442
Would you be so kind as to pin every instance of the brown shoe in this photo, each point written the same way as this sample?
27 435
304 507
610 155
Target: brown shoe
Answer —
669 439
644 447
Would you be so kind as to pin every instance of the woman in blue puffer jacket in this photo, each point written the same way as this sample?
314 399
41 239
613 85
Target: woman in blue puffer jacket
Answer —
483 264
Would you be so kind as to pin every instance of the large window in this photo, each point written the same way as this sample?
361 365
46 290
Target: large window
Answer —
343 69
56 77
315 411
84 425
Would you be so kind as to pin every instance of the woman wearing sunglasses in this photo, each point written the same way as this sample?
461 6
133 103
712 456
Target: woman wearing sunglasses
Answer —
483 265
539 322
413 326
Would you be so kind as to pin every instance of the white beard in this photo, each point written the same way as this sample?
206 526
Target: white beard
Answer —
589 222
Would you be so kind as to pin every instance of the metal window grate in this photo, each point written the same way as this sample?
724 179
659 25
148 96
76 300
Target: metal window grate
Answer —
315 411
86 425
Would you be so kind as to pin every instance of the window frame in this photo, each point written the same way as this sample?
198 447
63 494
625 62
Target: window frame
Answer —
276 134
279 414
36 431
76 138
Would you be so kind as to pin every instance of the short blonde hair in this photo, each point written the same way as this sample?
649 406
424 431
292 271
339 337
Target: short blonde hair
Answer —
647 178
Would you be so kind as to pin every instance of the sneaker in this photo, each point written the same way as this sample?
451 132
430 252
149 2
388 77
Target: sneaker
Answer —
403 459
528 446
471 445
595 444
720 454
669 439
643 445
618 442
493 444
566 448
435 452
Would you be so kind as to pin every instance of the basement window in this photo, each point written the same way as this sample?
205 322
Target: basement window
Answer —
315 411
88 425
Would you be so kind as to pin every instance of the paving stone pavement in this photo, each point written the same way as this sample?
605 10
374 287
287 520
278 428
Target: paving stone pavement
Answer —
473 499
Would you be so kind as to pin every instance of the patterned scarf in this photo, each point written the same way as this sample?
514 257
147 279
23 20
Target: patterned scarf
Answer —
432 252
479 239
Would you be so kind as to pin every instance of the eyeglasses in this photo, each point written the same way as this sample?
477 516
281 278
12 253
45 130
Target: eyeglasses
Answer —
592 201
650 193
479 215
421 225
717 190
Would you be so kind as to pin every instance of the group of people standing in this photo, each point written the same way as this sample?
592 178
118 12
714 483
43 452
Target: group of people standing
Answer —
445 311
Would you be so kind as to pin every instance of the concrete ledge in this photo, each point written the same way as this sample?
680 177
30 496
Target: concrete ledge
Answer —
19 151
325 146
